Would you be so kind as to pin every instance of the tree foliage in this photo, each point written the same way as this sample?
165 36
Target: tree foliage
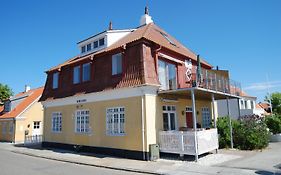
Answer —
275 101
5 92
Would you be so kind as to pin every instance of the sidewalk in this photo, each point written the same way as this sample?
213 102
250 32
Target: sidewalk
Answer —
204 166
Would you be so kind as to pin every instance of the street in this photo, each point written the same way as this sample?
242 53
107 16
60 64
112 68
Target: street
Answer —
12 163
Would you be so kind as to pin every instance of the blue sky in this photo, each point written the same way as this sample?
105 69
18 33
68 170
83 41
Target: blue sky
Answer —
241 36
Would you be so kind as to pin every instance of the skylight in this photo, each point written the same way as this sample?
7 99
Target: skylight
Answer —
168 39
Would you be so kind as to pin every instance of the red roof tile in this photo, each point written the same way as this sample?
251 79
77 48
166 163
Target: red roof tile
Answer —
33 95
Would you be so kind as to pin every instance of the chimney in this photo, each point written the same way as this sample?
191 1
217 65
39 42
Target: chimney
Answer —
146 19
110 26
26 88
217 68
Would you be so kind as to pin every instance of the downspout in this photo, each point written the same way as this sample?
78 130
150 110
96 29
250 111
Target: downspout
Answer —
142 125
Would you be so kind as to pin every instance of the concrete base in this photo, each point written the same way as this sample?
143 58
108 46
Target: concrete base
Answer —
275 138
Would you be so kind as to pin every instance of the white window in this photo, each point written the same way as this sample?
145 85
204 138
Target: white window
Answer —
11 129
82 121
4 129
116 64
101 42
86 72
169 118
89 47
76 75
206 117
55 80
83 49
56 121
246 104
36 125
115 121
167 75
96 44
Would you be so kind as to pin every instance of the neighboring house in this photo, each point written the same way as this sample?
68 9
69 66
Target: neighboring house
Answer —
263 108
129 89
21 115
244 106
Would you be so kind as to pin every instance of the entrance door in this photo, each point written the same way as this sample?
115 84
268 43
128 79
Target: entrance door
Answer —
36 128
189 119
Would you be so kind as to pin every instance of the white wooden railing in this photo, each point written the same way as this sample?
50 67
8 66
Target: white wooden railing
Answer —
182 142
33 139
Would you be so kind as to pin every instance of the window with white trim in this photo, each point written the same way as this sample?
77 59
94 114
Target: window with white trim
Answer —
115 121
206 117
55 80
36 125
169 117
56 121
116 64
76 75
82 118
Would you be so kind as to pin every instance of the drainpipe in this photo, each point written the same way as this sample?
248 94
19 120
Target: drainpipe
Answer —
230 125
142 124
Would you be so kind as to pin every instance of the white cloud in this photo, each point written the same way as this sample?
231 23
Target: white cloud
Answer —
263 86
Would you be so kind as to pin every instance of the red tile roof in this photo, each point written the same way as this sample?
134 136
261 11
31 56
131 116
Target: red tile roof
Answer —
149 32
32 95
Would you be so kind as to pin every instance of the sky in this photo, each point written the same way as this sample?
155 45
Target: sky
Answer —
241 36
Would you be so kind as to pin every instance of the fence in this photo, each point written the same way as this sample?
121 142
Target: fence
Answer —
33 139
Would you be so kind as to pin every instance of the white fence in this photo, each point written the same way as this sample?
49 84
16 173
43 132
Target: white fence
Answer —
33 139
182 142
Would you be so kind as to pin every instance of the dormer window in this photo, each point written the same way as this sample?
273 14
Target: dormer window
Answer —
55 80
7 106
101 42
89 47
83 49
96 44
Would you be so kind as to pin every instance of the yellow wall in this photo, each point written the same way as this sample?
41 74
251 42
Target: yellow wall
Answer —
33 113
133 129
131 140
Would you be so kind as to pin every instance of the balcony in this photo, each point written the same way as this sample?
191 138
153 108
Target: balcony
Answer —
215 80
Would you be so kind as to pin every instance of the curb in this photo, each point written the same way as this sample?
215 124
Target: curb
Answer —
88 164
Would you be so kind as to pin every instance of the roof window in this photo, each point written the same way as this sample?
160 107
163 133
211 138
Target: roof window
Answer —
168 39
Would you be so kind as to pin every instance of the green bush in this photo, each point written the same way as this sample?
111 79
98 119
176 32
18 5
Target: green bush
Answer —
274 123
247 134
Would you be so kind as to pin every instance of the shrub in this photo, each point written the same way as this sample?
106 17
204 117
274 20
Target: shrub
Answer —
247 134
274 123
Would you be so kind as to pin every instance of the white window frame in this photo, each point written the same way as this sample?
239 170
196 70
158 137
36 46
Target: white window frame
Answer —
166 77
55 80
76 78
57 122
205 112
114 64
173 110
36 124
115 128
84 74
82 126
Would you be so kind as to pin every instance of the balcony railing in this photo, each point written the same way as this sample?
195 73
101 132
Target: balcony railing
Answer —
209 79
182 142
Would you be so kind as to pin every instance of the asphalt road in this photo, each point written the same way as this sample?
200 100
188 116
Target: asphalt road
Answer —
14 164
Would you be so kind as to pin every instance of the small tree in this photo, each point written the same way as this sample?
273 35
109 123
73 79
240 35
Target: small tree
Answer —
5 92
275 101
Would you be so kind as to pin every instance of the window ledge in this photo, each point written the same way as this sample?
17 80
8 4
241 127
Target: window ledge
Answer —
115 134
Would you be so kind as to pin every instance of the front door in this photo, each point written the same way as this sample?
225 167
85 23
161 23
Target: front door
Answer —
36 128
189 119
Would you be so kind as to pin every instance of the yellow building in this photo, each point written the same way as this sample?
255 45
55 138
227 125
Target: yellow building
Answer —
131 89
22 116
